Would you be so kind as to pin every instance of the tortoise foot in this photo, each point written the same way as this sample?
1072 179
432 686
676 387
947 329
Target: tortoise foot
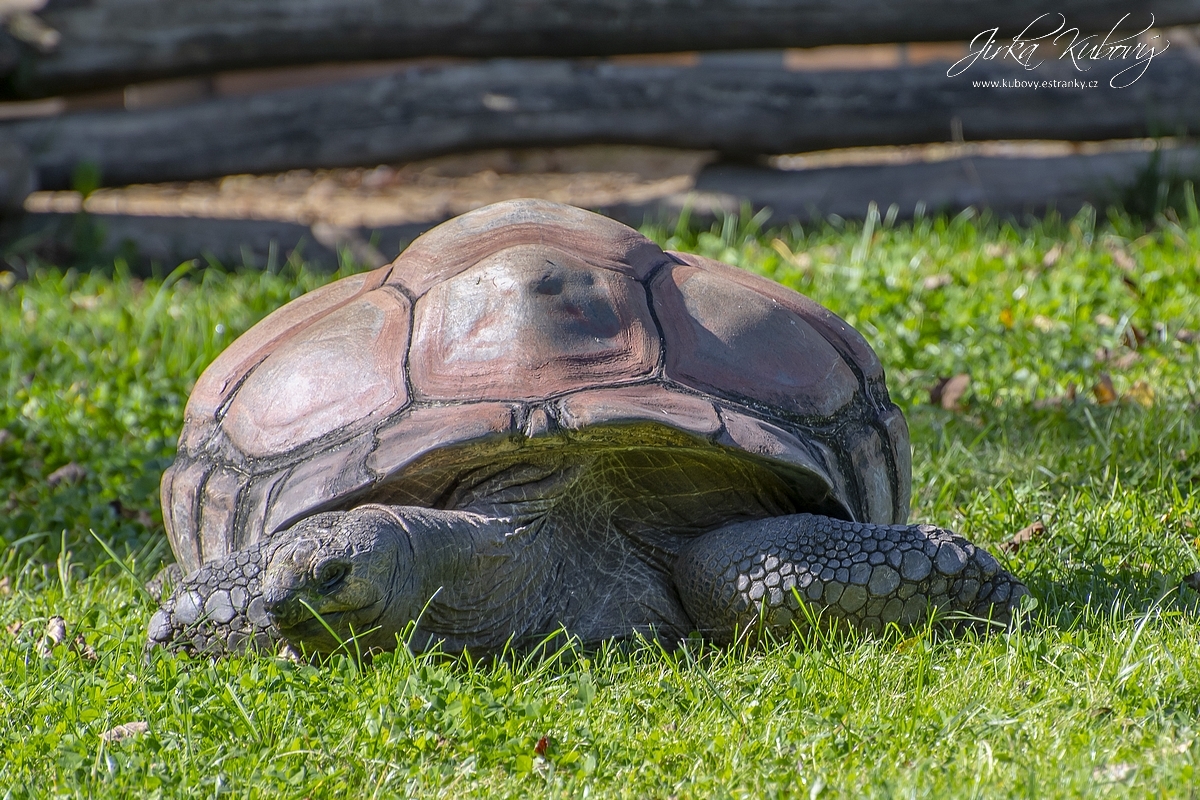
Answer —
797 569
216 610
164 581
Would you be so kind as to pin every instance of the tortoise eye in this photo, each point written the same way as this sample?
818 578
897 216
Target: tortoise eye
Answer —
331 575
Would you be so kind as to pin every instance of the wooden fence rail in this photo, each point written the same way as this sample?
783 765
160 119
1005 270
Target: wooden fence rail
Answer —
115 42
1007 185
522 103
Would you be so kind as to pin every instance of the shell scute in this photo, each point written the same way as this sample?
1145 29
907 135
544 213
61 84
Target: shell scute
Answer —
222 375
256 503
897 432
869 464
764 439
527 323
347 367
423 430
735 341
651 402
326 478
218 511
181 488
845 339
456 245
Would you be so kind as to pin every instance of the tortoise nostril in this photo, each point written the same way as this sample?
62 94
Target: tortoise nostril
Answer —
329 576
285 610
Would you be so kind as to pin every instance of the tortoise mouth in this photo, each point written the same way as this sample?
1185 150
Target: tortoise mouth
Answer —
332 631
299 614
312 624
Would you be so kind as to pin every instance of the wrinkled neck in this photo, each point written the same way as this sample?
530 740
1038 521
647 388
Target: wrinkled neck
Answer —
439 546
475 581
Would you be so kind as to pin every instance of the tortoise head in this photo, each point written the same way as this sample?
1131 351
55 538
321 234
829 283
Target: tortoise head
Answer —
342 575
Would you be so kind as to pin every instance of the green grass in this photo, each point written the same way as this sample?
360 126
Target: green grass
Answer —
1095 692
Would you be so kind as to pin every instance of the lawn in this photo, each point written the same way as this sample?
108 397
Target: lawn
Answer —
1078 337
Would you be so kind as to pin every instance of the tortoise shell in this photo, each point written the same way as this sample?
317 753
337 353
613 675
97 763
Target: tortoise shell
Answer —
521 321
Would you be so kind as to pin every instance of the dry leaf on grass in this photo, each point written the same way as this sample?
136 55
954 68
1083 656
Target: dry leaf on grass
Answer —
801 261
1141 393
139 515
1123 259
5 587
1113 773
1104 391
83 649
13 628
1034 530
1135 337
1186 336
1054 402
1126 361
56 633
1052 256
289 653
1043 323
933 282
68 473
126 731
947 392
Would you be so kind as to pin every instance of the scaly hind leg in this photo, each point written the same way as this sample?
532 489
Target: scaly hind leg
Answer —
218 609
868 575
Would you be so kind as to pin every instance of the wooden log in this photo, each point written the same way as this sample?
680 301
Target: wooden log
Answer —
114 42
17 176
1009 186
162 243
738 111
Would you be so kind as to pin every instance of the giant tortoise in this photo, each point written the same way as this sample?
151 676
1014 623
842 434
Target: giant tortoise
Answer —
536 419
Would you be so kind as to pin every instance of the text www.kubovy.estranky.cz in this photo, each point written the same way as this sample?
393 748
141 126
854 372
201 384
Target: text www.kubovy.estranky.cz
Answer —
1047 84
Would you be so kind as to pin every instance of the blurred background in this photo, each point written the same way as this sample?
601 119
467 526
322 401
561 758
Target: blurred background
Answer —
248 132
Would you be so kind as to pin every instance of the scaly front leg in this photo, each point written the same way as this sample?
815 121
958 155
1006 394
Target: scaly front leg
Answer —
218 609
869 575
